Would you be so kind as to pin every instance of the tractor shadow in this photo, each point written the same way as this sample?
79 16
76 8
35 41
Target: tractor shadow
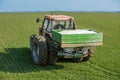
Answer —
18 60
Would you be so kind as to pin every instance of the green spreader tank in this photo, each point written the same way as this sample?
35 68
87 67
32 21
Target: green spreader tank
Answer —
77 38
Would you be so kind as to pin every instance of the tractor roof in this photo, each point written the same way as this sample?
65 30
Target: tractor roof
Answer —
59 17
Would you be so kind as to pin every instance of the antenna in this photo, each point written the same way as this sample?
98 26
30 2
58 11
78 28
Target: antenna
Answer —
51 13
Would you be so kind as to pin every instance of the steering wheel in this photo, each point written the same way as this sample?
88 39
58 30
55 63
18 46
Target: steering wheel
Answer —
59 26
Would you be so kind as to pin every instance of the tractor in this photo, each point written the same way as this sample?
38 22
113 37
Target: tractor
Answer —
59 37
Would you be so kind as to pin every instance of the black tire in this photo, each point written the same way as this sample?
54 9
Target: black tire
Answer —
39 50
89 55
77 59
52 52
82 59
31 41
86 58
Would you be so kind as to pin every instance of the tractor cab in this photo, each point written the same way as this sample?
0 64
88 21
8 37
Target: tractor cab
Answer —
56 22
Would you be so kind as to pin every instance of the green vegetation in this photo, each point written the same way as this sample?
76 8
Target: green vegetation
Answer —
16 61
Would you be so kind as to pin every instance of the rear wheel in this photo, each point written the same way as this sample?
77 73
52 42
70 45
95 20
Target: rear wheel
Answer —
39 50
52 52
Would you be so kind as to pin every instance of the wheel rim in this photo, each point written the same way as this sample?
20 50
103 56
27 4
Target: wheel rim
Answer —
35 53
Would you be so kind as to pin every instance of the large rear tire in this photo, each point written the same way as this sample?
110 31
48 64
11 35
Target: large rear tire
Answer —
39 50
52 52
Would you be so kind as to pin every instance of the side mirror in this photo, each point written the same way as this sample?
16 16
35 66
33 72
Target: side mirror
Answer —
37 20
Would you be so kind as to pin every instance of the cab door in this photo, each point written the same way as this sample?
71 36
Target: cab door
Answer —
46 27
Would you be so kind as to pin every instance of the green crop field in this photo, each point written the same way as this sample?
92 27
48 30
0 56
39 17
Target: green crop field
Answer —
15 58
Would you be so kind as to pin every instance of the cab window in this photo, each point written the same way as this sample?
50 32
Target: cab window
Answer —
47 25
63 24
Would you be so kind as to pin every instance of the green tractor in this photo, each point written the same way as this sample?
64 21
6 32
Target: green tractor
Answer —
58 36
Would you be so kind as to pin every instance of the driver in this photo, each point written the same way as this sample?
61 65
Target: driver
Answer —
59 26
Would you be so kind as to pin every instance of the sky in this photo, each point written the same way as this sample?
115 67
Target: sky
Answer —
59 5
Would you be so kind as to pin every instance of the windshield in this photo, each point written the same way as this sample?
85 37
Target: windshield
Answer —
63 24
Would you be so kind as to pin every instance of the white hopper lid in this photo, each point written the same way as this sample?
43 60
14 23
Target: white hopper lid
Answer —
77 32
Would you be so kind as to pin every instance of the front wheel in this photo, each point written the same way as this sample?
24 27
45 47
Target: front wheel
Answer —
31 41
39 50
89 54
